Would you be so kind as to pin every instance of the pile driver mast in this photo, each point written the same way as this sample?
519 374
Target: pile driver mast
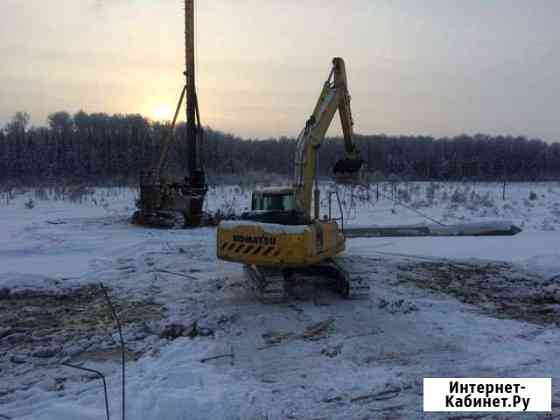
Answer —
164 201
194 130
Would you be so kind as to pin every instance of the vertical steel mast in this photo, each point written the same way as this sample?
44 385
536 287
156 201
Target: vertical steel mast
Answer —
190 76
194 129
163 200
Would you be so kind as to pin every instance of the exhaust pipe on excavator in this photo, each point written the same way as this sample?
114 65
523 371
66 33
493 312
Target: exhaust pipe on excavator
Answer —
317 203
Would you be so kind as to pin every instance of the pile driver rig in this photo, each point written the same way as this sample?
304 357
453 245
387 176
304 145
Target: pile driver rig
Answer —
281 241
167 202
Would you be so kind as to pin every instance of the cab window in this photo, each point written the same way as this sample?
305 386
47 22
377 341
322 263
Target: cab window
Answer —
273 202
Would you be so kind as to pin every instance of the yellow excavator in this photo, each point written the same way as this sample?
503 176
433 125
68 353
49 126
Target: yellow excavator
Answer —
280 241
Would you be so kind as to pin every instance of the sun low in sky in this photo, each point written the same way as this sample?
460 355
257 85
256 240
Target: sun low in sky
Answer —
437 67
161 113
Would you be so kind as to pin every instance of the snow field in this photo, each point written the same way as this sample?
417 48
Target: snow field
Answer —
363 359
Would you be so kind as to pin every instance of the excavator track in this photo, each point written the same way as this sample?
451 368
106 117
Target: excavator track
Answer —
350 276
267 284
346 275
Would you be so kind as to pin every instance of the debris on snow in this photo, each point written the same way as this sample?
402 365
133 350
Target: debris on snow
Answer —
399 306
318 330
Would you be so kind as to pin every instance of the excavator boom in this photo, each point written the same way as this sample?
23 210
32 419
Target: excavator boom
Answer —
334 97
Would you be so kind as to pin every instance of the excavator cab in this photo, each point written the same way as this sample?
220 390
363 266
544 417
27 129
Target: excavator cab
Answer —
274 205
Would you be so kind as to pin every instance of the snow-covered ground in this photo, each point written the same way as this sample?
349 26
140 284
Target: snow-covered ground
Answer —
465 306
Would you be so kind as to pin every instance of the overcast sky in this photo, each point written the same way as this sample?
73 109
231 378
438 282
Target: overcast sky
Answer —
439 67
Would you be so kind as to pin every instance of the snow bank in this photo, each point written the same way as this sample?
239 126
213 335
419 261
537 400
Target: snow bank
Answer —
270 228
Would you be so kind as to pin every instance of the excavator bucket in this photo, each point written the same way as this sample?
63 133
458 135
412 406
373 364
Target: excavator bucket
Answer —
349 171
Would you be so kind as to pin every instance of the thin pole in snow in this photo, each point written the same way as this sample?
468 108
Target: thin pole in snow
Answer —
118 322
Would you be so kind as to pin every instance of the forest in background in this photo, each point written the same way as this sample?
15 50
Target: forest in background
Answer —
101 148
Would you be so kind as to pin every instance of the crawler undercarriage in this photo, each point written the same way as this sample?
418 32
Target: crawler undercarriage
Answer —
159 219
343 275
169 204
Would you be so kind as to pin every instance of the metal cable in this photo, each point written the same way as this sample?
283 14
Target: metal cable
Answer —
101 376
403 205
411 208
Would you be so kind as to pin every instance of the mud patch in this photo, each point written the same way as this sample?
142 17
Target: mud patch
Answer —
498 288
45 328
80 311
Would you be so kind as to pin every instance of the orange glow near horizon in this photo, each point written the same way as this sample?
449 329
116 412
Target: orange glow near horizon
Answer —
449 69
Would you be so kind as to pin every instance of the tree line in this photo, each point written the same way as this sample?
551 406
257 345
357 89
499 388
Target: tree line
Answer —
99 147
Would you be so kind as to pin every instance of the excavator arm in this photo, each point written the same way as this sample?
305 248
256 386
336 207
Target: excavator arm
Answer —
334 97
344 110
